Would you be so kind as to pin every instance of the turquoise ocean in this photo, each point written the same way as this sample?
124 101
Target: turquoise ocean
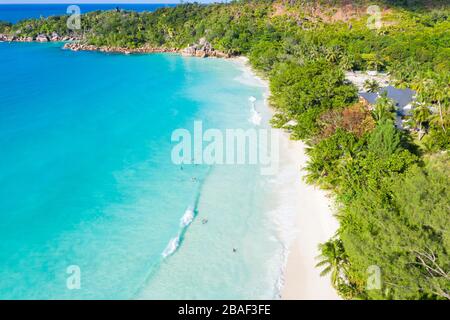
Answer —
86 180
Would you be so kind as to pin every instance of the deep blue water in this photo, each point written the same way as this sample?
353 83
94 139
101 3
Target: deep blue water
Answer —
16 12
86 179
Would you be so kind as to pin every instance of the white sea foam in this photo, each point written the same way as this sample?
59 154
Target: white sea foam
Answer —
255 118
174 243
187 218
171 247
284 214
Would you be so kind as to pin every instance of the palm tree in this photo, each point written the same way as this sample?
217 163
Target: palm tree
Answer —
439 94
399 74
384 109
314 53
377 63
334 259
332 54
421 114
371 85
441 119
421 81
346 63
374 61
434 89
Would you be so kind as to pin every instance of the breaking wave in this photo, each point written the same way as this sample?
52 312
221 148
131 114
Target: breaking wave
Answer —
174 243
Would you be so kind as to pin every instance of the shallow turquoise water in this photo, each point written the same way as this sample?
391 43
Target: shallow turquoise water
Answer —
86 179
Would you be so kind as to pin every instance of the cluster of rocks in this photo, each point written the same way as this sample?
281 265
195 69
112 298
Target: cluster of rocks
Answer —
54 37
203 49
78 46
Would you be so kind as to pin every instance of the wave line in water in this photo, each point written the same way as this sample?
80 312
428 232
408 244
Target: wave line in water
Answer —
187 218
171 247
255 118
174 243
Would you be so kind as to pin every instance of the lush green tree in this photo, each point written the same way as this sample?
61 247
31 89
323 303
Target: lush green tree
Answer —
333 260
329 155
303 92
405 236
385 140
371 86
5 26
421 115
264 55
384 109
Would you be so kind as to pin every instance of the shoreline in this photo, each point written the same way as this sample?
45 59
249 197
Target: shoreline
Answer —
189 51
314 224
303 206
202 50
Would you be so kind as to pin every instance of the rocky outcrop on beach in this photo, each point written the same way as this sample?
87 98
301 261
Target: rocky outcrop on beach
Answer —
203 49
78 46
42 38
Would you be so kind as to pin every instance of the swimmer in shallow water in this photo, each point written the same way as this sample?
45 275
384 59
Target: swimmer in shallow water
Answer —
234 250
205 221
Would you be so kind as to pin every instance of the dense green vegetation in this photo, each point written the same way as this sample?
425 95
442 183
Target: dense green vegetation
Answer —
392 187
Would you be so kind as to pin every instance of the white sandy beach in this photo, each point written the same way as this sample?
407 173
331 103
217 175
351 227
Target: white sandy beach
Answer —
314 224
311 212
